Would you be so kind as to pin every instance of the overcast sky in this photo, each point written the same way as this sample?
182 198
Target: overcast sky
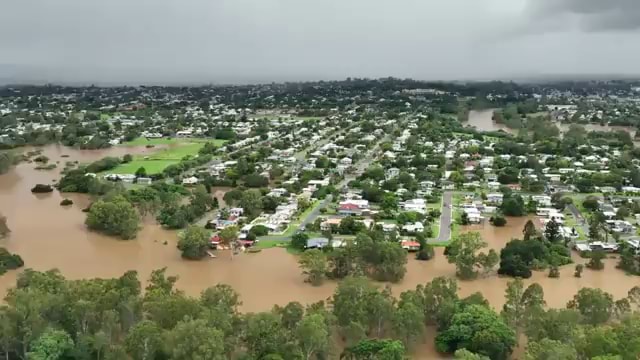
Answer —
221 41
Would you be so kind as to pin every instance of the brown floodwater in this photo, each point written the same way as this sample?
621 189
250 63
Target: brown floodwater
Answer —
49 236
482 120
218 192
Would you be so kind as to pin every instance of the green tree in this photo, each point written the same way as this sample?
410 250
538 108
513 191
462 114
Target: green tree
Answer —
350 300
514 309
382 349
264 335
4 228
193 242
464 354
513 206
555 324
382 260
594 304
480 330
408 322
547 349
251 203
426 251
313 335
144 340
314 265
389 202
463 252
195 339
439 299
229 237
529 230
141 172
299 240
594 229
552 231
114 217
51 345
595 260
498 220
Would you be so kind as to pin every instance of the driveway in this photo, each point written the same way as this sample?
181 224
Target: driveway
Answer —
445 217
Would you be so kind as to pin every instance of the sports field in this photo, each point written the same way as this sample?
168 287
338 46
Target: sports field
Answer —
154 163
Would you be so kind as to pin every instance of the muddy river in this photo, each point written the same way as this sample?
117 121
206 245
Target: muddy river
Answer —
482 120
49 236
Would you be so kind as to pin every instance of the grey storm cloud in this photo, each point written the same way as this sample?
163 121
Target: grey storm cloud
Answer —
203 41
593 15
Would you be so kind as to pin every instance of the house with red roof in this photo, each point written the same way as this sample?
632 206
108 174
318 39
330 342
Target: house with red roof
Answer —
349 209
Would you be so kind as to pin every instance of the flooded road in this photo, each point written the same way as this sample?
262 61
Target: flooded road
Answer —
218 192
49 236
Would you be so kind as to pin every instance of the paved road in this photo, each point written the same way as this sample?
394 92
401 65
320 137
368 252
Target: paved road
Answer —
579 218
445 217
316 212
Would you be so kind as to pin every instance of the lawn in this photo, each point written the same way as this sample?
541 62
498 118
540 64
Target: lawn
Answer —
435 228
141 141
162 158
268 244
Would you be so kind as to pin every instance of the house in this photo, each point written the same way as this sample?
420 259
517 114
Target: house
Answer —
542 200
221 224
473 214
317 243
328 224
349 209
410 245
595 246
237 212
319 183
417 205
495 198
416 227
553 177
360 203
278 192
620 226
345 161
190 181
392 173
184 133
144 181
388 227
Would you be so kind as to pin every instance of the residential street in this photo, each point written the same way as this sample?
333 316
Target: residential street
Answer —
579 218
445 217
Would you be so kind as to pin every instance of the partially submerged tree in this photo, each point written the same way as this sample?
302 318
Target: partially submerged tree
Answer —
4 228
193 242
463 251
314 265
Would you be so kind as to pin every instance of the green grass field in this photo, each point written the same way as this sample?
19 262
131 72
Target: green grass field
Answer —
268 244
142 141
159 160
